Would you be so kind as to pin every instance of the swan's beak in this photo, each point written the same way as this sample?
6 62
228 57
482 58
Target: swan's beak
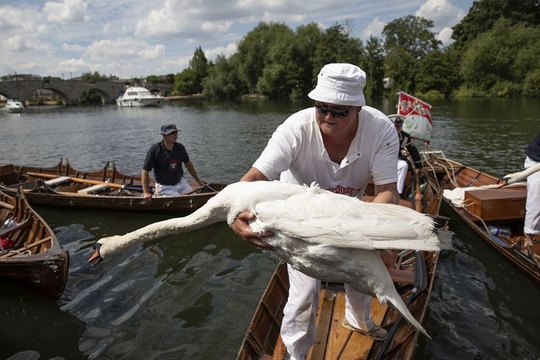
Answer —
96 256
502 182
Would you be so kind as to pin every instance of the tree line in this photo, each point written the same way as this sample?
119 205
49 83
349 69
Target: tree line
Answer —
495 53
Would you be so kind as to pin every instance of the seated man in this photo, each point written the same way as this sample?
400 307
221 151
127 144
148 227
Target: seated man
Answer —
166 158
406 148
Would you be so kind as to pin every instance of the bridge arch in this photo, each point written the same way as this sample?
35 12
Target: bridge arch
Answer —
70 90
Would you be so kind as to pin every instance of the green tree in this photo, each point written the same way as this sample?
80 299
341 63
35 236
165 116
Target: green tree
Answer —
253 51
498 60
223 81
185 82
335 46
90 98
282 74
373 65
436 73
199 65
93 77
160 79
484 14
307 37
407 41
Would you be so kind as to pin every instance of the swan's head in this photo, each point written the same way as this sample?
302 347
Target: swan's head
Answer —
509 179
103 248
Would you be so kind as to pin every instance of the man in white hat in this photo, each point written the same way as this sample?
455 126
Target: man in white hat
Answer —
339 143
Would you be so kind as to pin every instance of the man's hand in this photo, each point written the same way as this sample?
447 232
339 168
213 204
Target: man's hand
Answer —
421 172
147 196
241 227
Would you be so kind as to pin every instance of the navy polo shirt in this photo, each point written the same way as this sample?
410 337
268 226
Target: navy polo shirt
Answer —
167 164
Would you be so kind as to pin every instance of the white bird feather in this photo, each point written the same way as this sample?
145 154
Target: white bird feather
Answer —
325 235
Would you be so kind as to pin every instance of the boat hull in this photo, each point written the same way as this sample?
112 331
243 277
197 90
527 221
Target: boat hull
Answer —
114 191
483 205
138 97
263 341
15 106
179 205
45 275
138 102
34 259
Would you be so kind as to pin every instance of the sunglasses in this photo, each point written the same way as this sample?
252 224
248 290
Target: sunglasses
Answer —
334 113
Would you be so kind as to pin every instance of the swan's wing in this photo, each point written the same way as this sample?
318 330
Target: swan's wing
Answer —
337 220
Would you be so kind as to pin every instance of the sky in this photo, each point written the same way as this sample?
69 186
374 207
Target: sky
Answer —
134 38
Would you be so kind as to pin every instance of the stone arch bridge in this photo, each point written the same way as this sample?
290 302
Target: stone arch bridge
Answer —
71 90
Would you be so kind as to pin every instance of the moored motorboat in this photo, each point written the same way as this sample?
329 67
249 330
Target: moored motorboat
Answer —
15 106
30 255
495 214
138 97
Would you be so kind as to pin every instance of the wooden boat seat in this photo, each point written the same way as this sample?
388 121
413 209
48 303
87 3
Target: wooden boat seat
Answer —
8 174
497 204
5 213
94 189
30 247
7 230
58 181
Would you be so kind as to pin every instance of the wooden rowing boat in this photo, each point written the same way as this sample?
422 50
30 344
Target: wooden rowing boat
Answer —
413 274
472 195
106 189
31 255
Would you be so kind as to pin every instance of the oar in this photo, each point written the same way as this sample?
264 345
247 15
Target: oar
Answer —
417 195
78 180
420 284
200 188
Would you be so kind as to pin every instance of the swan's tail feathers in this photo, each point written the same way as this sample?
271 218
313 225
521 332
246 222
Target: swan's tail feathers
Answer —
430 244
400 306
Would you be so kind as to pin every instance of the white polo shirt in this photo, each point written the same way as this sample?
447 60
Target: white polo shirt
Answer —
296 152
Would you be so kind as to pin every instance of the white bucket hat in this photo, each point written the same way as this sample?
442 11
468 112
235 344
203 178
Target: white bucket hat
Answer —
340 84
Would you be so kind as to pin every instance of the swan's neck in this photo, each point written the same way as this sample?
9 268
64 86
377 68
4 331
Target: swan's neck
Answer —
529 171
202 217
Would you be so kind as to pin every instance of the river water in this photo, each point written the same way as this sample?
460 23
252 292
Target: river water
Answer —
191 296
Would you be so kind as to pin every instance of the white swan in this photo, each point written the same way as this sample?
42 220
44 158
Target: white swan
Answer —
518 176
327 236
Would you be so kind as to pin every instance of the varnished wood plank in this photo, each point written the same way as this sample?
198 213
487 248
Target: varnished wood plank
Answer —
325 309
279 350
359 345
338 336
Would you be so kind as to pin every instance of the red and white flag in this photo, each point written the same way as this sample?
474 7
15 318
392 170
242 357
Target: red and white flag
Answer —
417 116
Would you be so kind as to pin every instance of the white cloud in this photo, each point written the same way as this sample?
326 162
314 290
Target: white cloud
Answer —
133 38
444 15
15 43
445 36
226 51
70 11
152 53
442 12
374 28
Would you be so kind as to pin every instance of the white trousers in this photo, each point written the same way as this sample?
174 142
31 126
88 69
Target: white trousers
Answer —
298 329
532 206
402 168
173 190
